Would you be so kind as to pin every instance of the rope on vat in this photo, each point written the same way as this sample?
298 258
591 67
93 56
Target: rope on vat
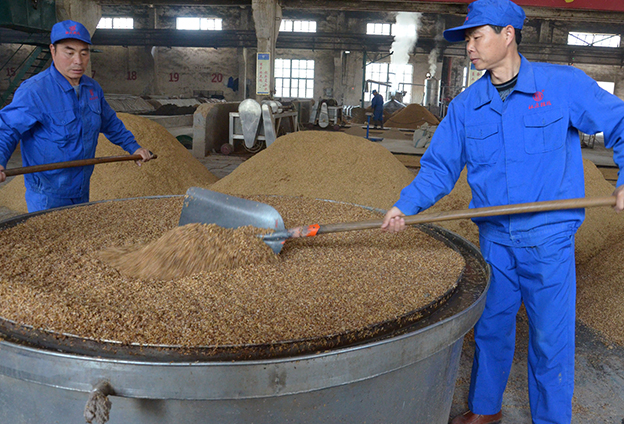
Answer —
98 406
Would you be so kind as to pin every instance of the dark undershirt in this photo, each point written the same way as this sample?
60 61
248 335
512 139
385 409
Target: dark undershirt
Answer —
506 88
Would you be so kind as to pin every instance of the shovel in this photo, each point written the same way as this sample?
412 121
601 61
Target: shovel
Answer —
210 207
70 164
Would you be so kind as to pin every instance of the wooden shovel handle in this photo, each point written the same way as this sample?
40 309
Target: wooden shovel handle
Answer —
70 164
422 218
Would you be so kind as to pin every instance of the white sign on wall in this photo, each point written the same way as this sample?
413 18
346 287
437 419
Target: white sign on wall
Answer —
263 74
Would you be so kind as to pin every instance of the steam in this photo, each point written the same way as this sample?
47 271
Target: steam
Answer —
405 36
433 61
433 54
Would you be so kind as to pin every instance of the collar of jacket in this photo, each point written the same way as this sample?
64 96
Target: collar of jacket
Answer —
62 81
525 84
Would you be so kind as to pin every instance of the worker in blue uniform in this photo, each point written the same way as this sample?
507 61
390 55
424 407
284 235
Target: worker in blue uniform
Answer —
516 130
57 116
377 105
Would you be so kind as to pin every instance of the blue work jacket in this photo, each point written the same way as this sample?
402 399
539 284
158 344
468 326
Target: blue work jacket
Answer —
526 149
377 104
55 125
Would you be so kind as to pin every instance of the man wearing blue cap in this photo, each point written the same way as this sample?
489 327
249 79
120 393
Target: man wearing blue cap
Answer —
516 131
57 115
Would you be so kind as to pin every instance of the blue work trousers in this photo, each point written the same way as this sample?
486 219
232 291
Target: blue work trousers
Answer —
543 277
39 202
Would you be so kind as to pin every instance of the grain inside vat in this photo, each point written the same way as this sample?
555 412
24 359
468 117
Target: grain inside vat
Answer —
53 279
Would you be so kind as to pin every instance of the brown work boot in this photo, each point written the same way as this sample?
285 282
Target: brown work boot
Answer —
471 418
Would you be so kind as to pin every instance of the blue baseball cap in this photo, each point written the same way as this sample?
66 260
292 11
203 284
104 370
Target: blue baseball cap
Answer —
488 12
69 29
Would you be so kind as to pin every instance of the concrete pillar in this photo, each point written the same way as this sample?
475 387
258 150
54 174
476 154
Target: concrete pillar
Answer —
267 16
153 53
338 87
87 12
545 33
618 89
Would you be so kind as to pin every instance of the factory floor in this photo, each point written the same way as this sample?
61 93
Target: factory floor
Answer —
599 382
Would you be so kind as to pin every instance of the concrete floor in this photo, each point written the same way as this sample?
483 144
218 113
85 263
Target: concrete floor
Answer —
599 393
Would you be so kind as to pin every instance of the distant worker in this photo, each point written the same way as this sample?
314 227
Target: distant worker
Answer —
57 115
377 105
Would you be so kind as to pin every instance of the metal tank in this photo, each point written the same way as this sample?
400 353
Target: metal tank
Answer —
431 94
406 375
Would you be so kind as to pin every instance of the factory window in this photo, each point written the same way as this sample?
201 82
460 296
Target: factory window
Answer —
593 40
289 25
376 73
210 24
116 23
402 74
294 78
378 29
391 74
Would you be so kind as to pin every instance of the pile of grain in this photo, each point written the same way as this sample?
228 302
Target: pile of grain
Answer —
599 257
173 172
412 116
600 290
51 278
322 165
191 249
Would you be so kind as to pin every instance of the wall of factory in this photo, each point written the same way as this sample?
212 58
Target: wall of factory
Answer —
12 55
186 72
171 71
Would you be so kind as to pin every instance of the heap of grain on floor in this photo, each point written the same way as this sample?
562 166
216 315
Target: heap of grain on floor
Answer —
322 165
52 278
600 273
191 249
173 172
412 116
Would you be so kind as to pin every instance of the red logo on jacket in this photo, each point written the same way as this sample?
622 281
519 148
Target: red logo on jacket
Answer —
539 97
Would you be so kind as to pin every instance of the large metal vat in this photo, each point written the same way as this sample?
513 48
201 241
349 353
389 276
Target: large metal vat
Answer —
407 376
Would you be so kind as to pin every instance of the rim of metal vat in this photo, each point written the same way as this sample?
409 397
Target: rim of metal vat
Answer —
73 344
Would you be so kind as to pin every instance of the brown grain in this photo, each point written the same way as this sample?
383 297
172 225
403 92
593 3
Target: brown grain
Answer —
191 249
52 278
321 165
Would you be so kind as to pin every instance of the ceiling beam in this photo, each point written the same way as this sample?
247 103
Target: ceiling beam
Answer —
604 10
237 38
455 8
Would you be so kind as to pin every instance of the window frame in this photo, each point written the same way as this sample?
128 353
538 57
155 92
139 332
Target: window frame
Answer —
290 25
290 78
203 23
103 23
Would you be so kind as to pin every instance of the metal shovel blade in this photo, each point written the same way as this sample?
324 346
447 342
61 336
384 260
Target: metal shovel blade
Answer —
211 207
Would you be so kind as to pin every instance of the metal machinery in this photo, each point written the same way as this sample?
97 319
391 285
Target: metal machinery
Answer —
431 96
325 113
259 124
31 21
